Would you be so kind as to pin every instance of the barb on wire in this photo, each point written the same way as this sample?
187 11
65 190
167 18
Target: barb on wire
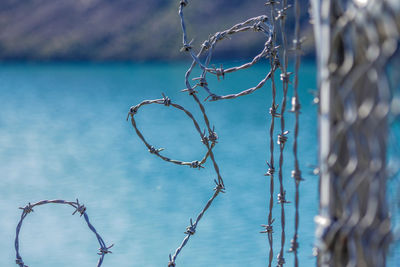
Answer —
296 173
191 230
268 227
270 50
79 208
209 141
282 137
261 24
257 24
273 111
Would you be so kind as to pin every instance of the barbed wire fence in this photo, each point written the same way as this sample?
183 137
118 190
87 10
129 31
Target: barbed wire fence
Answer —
354 40
277 55
209 137
79 208
296 173
273 60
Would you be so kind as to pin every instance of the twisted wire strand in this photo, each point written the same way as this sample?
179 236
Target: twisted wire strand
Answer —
296 173
79 208
220 187
212 133
209 141
259 24
274 114
282 137
191 230
269 51
204 139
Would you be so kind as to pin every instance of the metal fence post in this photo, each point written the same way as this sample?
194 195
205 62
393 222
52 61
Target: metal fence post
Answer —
354 40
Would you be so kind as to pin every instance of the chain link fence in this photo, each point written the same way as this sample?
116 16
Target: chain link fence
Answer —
354 40
393 161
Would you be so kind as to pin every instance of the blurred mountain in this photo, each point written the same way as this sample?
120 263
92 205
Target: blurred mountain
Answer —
125 29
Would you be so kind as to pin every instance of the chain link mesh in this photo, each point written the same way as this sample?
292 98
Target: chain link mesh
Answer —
354 41
393 161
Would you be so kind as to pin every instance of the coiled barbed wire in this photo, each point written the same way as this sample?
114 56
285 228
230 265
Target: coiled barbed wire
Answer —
270 50
257 24
79 208
209 141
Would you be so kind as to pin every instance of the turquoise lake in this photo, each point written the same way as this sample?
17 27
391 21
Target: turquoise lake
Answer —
64 135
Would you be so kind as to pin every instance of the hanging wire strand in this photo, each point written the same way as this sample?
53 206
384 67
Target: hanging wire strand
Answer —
282 137
270 50
209 141
79 208
257 24
296 173
273 59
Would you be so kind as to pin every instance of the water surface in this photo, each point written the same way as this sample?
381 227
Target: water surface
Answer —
64 136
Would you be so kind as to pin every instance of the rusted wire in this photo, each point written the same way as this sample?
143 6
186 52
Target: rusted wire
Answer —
79 208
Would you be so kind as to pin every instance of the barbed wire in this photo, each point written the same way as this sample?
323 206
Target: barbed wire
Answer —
282 137
166 101
296 173
257 24
274 61
209 141
79 208
270 51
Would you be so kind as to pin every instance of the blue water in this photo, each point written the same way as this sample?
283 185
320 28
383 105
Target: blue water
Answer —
64 136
